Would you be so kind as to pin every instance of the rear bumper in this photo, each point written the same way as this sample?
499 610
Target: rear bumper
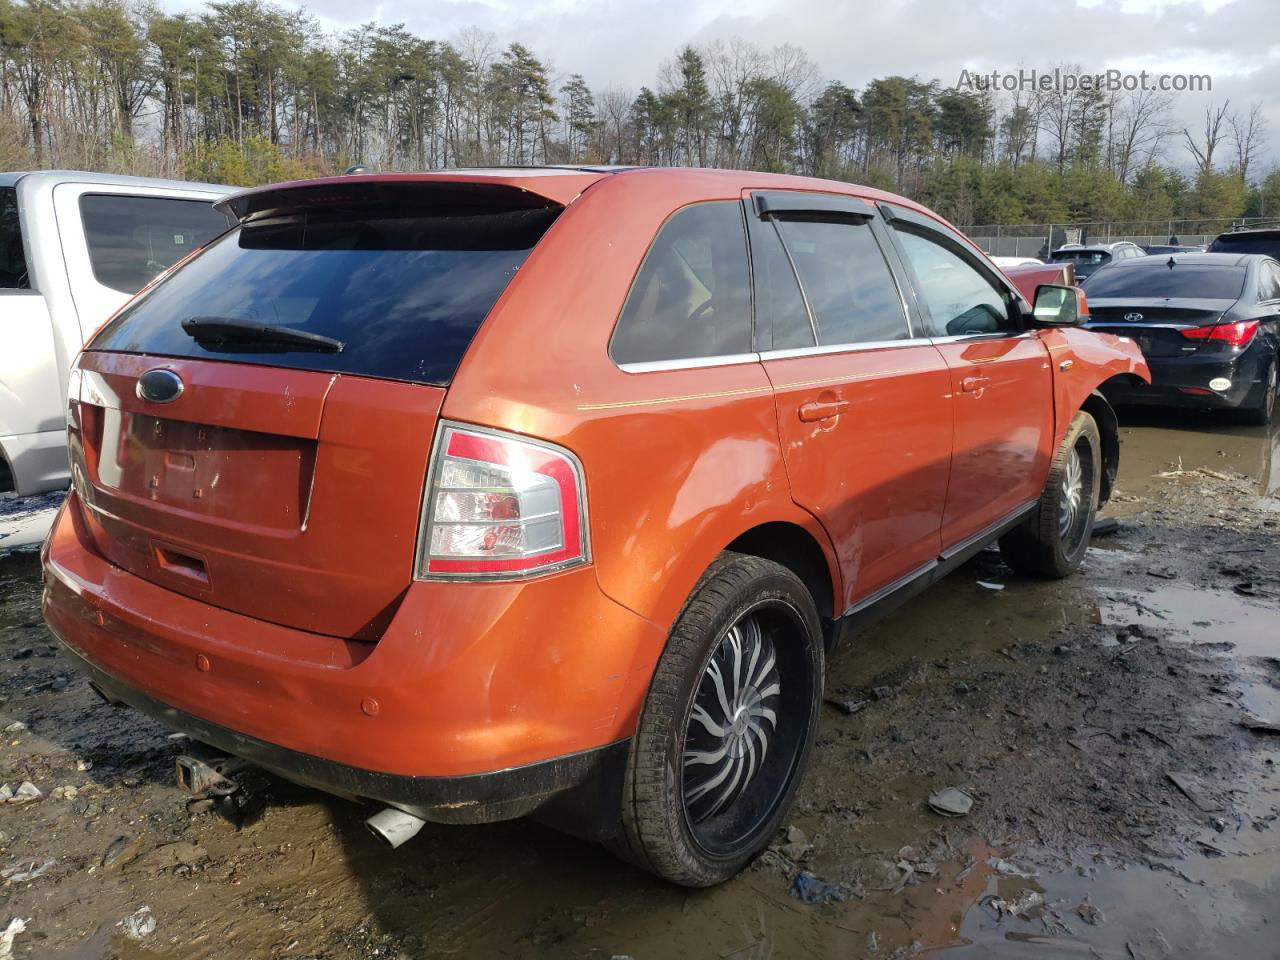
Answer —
479 701
1185 382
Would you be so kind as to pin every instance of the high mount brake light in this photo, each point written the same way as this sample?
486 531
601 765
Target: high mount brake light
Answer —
500 506
1234 334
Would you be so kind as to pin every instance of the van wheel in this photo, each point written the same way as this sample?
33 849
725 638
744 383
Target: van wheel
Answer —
1052 540
727 727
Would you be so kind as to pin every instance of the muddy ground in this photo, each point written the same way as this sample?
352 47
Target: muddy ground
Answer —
1066 710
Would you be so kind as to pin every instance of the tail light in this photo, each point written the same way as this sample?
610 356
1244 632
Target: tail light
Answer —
500 506
1232 334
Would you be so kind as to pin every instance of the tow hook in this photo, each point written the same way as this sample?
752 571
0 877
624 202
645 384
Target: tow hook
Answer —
208 778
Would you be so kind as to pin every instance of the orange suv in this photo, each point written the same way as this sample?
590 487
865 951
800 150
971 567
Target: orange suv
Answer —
545 492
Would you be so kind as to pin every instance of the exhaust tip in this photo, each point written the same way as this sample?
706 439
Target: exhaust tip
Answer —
393 827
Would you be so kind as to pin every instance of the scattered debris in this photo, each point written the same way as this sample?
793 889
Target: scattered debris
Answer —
25 870
1025 906
847 707
16 926
988 585
797 846
1105 527
16 727
1089 914
138 925
951 802
1194 790
1259 725
811 889
120 851
25 793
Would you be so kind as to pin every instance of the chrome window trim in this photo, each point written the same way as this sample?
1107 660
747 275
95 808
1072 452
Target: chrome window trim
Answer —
689 363
1001 335
868 347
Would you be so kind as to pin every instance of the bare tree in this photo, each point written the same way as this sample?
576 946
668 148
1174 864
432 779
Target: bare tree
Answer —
1249 134
1214 132
1139 125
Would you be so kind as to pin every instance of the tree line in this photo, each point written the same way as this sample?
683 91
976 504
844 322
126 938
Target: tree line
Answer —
248 92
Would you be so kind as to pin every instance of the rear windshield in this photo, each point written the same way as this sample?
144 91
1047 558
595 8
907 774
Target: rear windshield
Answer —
13 260
1198 281
132 240
1247 243
403 290
1081 256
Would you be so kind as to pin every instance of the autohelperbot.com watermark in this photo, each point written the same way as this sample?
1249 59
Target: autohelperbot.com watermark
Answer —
1066 81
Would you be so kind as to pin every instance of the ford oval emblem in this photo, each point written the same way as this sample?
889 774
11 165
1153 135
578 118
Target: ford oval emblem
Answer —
1133 317
160 386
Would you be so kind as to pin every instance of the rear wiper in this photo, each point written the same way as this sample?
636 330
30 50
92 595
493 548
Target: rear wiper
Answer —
228 330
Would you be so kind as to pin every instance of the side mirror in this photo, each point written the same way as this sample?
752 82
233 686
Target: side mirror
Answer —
1059 306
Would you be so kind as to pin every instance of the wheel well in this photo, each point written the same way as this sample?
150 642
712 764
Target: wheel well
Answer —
794 548
7 481
1104 416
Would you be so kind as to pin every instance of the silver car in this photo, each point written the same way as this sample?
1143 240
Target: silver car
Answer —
74 247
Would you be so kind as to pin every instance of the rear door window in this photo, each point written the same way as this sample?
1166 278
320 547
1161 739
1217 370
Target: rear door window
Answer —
1270 282
782 320
132 239
402 287
13 259
692 296
846 281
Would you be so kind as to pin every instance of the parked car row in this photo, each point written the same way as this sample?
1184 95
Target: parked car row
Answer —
483 494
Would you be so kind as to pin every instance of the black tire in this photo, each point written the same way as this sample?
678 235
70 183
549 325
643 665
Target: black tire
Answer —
674 825
1052 541
1261 415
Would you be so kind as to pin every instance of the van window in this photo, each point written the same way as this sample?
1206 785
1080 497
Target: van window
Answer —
13 259
403 287
780 309
961 300
134 239
692 296
846 281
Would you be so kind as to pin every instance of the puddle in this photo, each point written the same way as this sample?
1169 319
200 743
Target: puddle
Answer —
1202 616
1197 908
1190 440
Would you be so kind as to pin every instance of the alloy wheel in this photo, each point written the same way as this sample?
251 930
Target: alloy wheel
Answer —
1072 493
746 728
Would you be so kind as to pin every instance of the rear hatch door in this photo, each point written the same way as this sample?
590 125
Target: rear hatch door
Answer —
284 478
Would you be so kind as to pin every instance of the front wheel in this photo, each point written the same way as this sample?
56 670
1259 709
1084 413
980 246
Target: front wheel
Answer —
727 727
1052 540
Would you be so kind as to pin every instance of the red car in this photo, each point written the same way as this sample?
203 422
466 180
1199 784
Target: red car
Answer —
484 494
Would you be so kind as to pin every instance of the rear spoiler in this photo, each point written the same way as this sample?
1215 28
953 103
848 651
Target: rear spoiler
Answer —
440 193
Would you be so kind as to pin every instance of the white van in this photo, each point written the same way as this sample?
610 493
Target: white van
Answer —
73 248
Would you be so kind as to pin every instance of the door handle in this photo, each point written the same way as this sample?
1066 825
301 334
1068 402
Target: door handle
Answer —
974 384
822 409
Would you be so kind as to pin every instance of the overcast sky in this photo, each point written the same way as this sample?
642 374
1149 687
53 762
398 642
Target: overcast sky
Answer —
620 42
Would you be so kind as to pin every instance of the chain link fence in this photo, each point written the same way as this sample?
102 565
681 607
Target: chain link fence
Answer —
1033 239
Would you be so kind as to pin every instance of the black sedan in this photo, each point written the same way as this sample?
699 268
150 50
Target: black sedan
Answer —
1208 324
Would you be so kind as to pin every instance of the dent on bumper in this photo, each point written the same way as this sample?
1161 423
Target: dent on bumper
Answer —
468 678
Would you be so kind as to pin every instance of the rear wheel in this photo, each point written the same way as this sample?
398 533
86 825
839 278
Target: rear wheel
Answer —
1052 540
727 727
1262 414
